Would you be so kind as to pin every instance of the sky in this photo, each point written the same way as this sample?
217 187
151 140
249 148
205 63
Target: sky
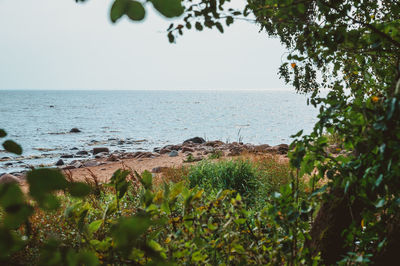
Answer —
61 45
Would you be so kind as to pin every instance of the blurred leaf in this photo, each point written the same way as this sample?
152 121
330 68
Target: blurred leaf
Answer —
42 182
147 179
13 147
127 231
78 189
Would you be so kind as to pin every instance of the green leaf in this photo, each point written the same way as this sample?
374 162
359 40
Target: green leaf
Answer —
219 27
198 26
147 179
94 226
78 189
2 133
13 147
135 11
42 182
168 8
117 10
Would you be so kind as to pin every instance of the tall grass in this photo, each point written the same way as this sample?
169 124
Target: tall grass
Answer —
254 177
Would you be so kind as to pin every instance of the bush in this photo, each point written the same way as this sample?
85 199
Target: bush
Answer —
239 175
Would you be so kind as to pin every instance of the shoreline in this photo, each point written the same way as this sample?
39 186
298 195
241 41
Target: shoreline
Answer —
104 163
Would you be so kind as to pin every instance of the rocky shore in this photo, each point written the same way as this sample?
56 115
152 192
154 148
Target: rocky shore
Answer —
102 162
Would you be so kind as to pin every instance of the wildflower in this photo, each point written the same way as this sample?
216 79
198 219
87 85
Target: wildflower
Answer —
293 65
375 99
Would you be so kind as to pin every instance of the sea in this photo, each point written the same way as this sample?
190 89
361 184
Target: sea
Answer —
40 121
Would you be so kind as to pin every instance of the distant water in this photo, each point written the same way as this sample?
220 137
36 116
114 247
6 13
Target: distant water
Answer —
40 120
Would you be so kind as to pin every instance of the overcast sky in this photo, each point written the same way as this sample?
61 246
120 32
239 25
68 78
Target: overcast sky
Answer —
58 44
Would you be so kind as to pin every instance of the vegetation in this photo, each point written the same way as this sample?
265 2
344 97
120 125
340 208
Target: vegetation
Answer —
351 48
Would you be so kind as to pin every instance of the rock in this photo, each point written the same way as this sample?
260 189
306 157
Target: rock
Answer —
68 167
261 148
113 158
187 149
235 151
75 130
74 149
8 178
82 153
283 148
196 140
215 143
51 106
101 149
67 156
157 149
164 151
90 163
173 153
8 164
158 169
59 162
278 149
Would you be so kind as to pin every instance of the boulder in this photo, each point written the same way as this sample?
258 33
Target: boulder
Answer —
90 163
173 153
158 169
74 130
261 148
187 149
113 158
100 149
164 151
196 140
67 156
215 143
157 149
8 178
59 162
82 153
68 167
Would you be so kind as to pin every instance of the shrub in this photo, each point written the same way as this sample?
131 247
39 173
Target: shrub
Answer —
239 175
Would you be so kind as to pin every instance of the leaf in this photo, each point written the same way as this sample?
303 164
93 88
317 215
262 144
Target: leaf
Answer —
78 189
2 133
94 226
42 182
219 27
13 147
168 8
198 26
135 11
229 20
147 179
118 10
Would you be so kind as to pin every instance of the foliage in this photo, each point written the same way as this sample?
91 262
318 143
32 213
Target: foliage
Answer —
235 175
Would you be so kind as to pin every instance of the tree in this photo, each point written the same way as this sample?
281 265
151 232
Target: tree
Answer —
352 48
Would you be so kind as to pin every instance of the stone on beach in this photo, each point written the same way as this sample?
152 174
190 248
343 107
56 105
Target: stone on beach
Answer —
196 140
8 178
82 153
173 153
59 162
75 130
100 149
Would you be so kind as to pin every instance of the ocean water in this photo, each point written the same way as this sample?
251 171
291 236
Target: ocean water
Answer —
140 120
